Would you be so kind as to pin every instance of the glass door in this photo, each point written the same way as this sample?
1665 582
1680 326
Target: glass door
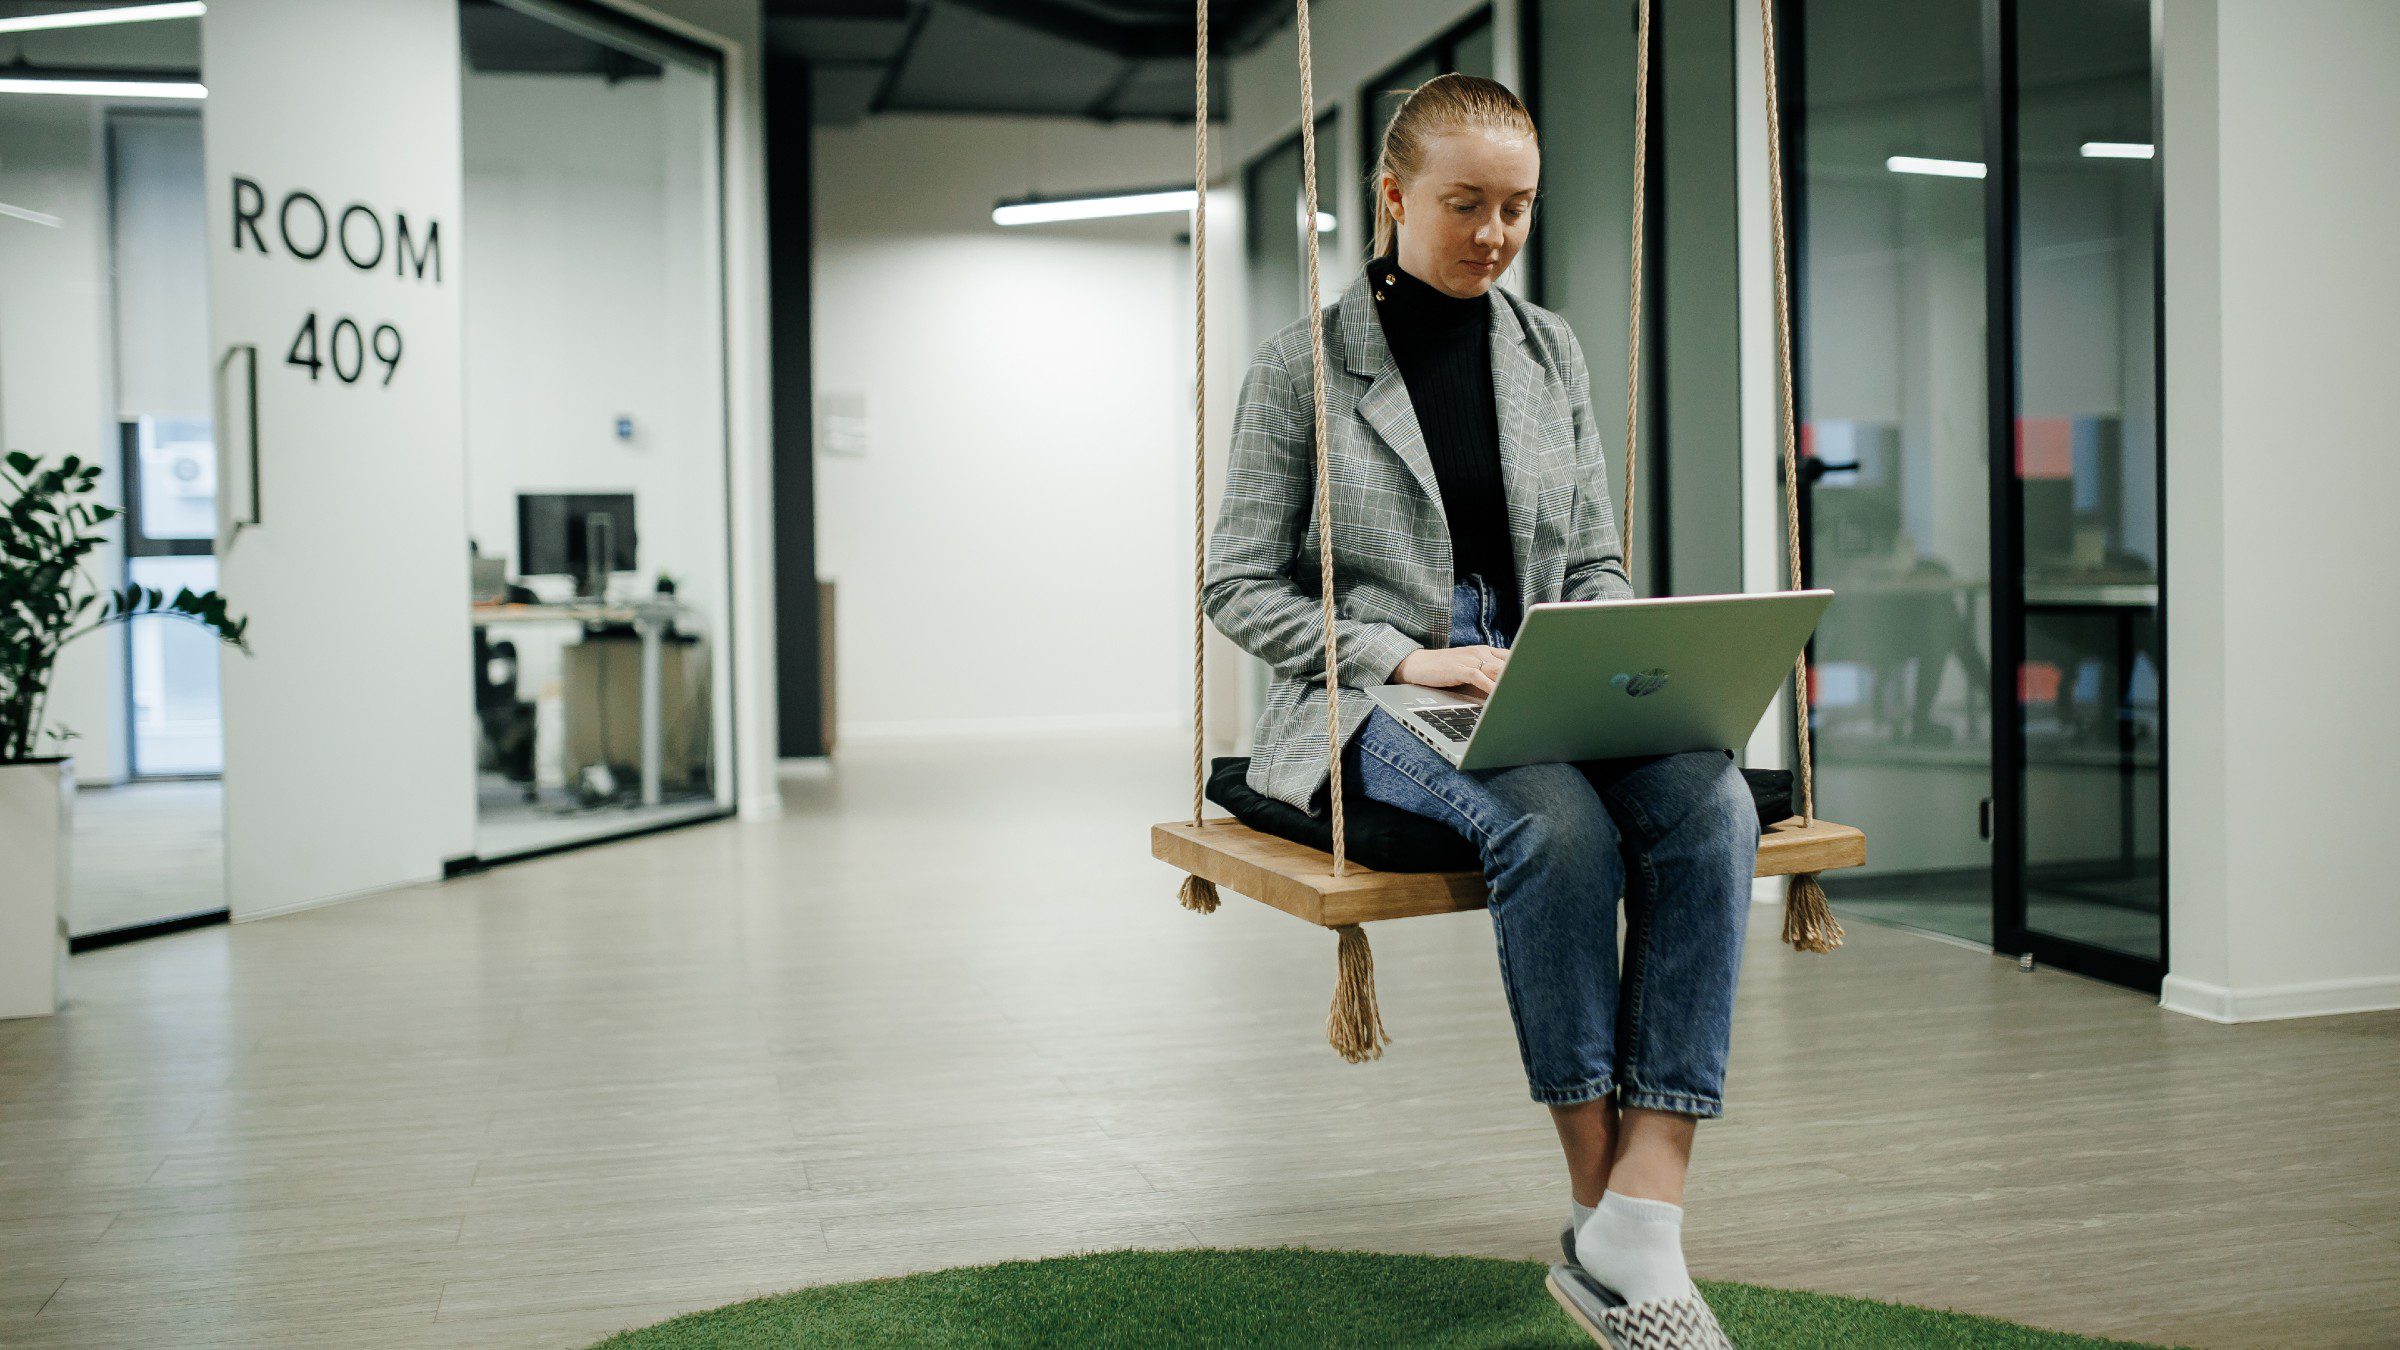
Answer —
2083 861
104 357
158 249
597 512
1888 242
170 528
1977 277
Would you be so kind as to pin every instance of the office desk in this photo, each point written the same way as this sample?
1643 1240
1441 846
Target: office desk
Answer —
2124 601
649 618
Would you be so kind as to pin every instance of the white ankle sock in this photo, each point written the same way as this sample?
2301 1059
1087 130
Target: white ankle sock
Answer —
1635 1247
1582 1212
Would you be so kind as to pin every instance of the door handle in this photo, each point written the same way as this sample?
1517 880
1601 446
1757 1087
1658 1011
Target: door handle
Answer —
231 526
1813 469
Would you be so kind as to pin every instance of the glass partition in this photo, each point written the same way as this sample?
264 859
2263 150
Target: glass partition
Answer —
1977 272
1888 245
1581 60
595 426
1271 239
104 356
2087 481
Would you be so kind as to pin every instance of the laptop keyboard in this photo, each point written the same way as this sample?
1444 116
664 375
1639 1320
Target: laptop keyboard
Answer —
1457 723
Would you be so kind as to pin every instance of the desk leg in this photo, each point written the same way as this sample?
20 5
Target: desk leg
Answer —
650 631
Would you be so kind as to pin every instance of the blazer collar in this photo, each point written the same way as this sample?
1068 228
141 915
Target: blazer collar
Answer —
1516 386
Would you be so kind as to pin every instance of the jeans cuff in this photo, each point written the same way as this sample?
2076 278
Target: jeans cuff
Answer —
1682 1103
1576 1095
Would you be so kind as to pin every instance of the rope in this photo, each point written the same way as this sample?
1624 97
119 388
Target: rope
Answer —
1199 894
1316 352
1354 1024
1791 439
1199 399
1633 321
1808 922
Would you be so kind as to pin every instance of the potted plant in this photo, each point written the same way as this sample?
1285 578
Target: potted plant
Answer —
49 523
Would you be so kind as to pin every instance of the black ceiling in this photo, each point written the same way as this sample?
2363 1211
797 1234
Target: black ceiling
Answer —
1103 59
498 40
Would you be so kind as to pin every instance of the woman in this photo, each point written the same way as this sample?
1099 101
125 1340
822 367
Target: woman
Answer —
1468 482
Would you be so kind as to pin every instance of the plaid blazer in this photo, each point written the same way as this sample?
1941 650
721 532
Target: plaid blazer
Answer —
1391 544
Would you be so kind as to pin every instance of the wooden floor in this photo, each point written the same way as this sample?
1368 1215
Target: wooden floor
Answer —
948 1011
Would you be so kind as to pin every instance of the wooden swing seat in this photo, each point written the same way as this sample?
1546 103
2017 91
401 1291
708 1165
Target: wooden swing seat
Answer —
1299 880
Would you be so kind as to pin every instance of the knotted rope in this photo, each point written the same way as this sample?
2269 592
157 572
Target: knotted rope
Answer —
1199 893
1808 922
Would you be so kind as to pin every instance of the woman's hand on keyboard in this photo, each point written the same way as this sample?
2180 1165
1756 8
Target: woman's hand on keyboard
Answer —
1476 668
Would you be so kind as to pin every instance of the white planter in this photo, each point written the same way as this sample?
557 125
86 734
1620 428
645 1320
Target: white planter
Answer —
37 801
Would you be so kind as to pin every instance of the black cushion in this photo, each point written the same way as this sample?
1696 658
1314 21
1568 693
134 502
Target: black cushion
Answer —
1389 839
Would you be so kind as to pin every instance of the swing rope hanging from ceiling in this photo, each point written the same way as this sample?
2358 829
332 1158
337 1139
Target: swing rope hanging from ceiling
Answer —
1326 889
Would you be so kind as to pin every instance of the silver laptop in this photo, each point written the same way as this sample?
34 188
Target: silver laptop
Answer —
1607 679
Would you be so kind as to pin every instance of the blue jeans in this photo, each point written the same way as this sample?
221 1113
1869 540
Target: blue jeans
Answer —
1675 835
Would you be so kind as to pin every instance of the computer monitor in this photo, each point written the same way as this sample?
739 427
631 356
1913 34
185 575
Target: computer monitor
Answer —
584 535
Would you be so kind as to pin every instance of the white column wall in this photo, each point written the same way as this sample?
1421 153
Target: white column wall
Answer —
2281 478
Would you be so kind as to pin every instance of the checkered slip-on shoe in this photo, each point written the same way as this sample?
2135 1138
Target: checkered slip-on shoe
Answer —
1683 1323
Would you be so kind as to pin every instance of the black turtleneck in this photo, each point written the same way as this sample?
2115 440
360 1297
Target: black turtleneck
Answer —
1443 347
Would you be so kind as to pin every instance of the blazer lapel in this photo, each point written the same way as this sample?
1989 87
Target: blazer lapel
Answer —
1385 405
1517 383
1517 387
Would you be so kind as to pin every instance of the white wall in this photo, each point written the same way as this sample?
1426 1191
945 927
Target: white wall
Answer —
349 750
56 392
1013 550
2281 288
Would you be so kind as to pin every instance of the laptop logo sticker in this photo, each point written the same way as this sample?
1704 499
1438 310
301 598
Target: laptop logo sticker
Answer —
1646 682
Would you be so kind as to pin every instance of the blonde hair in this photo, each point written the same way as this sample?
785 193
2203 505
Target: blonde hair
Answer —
1445 103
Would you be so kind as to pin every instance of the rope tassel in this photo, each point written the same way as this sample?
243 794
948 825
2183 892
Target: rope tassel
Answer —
1355 1025
1199 895
1808 922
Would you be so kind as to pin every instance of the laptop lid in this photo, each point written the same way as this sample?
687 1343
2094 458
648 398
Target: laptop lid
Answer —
1605 679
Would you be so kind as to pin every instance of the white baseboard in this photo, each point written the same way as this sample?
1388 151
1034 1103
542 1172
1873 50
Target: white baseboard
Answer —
2312 998
252 915
1009 728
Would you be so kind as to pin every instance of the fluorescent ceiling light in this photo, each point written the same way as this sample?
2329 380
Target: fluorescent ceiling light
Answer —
93 18
1165 201
105 88
1939 168
1094 208
27 213
2118 150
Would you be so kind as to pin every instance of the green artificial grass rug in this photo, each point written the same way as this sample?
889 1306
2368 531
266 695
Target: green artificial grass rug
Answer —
1282 1297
